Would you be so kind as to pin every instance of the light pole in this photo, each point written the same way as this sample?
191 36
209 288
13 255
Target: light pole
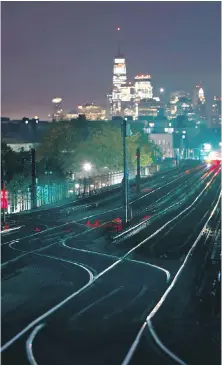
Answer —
86 167
125 174
34 179
2 190
138 170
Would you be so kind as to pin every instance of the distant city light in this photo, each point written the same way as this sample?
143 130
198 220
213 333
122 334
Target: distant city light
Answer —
161 89
26 122
183 136
87 166
77 186
220 143
207 146
56 100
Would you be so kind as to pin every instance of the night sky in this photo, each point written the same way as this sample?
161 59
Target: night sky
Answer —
66 49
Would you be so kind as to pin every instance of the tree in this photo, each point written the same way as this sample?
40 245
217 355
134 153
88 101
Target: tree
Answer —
9 161
69 144
61 140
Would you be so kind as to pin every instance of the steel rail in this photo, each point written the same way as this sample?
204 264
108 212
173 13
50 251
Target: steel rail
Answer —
148 323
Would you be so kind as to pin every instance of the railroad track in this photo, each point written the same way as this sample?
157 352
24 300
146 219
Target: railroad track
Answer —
95 279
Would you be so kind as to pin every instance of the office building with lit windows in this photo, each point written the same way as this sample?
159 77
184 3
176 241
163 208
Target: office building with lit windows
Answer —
143 87
92 111
147 107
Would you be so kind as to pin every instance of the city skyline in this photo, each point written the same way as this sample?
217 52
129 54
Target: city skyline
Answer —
35 69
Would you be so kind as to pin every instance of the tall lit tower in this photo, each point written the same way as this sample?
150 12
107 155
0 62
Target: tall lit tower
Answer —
199 104
119 67
119 79
198 95
57 113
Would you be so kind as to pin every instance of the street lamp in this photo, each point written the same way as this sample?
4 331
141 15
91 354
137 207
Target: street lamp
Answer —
161 90
207 147
87 166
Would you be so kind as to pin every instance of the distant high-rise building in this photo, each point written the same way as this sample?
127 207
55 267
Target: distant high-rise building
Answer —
143 87
147 108
121 96
198 95
119 71
216 112
92 111
199 104
119 81
57 113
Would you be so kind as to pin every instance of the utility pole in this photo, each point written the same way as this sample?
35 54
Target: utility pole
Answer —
126 177
138 170
84 186
2 189
34 179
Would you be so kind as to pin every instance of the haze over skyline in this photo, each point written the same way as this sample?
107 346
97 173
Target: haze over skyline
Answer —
66 49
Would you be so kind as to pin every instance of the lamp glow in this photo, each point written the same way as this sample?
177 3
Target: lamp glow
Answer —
87 166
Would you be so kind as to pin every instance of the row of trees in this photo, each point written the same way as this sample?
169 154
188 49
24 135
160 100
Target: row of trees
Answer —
68 144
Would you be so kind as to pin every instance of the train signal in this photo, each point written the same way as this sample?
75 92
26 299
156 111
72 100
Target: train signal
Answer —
4 199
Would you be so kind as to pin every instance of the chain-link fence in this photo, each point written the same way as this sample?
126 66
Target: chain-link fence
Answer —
52 193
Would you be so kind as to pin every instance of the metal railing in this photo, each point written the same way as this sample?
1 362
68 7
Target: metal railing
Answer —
52 192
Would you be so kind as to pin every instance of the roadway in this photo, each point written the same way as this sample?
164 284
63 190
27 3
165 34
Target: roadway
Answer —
90 296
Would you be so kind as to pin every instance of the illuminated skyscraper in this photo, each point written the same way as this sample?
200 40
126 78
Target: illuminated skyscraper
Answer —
121 95
198 95
57 113
143 87
119 80
199 104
